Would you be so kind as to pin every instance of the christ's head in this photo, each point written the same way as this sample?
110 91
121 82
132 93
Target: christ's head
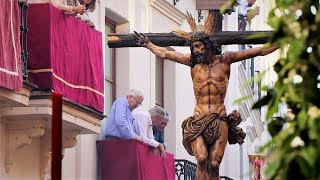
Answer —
201 50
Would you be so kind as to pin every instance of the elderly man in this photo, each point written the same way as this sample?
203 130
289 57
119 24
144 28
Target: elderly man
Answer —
158 129
144 121
120 120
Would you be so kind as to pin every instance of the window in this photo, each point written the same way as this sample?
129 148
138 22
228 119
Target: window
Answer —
109 70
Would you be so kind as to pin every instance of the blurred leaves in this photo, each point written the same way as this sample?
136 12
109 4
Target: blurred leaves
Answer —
294 149
275 126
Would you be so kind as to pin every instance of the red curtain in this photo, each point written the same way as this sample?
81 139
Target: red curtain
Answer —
131 160
10 50
65 55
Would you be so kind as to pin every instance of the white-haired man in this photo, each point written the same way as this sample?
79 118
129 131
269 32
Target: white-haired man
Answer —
120 120
158 129
143 125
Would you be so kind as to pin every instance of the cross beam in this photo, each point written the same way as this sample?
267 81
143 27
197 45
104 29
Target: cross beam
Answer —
169 39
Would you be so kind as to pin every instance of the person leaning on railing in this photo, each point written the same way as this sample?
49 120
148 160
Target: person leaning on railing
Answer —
158 129
246 13
120 120
143 123
68 9
90 6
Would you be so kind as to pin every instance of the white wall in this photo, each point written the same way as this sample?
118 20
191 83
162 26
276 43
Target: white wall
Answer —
80 162
170 105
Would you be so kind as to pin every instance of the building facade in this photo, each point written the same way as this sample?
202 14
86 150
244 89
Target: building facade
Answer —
163 82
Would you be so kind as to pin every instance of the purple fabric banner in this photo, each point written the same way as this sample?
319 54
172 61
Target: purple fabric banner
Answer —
132 160
10 49
65 55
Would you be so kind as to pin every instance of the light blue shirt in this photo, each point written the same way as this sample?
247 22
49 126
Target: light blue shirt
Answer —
120 120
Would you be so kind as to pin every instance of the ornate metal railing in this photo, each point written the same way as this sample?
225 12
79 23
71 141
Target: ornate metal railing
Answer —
225 178
186 170
23 9
175 2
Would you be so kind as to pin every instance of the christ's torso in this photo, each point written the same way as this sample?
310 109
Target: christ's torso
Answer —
210 84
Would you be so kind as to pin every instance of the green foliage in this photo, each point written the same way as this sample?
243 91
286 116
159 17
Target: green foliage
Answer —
294 150
297 151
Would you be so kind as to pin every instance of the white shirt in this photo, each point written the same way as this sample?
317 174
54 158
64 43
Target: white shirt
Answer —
142 125
243 7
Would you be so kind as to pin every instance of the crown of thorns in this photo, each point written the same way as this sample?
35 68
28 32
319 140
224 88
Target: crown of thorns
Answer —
198 31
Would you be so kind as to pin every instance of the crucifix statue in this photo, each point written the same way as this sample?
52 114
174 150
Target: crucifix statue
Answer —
206 133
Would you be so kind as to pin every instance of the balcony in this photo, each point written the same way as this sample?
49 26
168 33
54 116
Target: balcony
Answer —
130 159
63 55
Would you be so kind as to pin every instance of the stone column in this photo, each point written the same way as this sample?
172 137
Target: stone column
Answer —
68 141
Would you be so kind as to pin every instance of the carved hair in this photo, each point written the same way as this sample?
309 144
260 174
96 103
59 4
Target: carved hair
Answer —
210 46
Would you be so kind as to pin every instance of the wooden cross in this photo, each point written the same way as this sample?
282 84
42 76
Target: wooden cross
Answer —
219 36
169 39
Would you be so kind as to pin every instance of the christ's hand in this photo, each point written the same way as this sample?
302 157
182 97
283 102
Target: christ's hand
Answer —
141 39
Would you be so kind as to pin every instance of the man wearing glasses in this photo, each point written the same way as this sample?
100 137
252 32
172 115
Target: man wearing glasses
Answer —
144 123
120 120
158 129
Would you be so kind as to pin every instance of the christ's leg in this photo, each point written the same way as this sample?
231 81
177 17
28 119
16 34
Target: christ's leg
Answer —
200 151
217 151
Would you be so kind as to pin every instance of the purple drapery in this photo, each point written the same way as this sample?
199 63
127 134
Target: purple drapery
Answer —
132 160
10 49
65 55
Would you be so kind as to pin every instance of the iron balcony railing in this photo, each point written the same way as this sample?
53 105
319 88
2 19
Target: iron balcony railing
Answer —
186 170
225 178
23 9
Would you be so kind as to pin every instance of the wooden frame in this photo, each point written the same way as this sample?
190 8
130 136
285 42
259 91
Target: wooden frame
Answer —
209 4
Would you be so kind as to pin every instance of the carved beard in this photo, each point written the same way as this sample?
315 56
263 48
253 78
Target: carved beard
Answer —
202 58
